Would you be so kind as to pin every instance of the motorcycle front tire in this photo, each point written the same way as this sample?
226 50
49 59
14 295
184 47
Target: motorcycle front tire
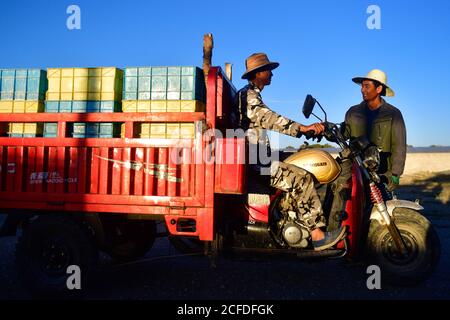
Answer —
423 245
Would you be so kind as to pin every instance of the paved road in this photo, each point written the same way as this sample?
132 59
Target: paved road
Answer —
186 278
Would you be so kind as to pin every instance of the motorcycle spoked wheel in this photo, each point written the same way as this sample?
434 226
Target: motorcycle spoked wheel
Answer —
421 240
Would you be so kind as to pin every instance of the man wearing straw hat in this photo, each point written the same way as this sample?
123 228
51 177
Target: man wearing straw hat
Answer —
255 117
383 126
381 123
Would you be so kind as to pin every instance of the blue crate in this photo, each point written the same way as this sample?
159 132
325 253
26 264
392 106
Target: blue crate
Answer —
79 106
65 106
164 83
51 127
78 128
95 130
93 106
109 128
50 130
7 85
22 135
82 106
92 129
51 106
23 84
110 106
15 135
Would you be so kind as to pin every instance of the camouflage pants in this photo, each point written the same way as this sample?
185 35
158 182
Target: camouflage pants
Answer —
341 191
301 196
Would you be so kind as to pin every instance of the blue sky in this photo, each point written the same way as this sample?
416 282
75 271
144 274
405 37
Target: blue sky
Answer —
320 45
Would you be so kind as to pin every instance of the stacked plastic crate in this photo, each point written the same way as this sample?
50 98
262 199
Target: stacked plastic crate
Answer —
22 91
84 90
164 89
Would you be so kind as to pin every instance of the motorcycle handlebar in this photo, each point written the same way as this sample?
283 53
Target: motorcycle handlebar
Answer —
309 134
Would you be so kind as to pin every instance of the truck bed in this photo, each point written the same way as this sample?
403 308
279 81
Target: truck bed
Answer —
162 177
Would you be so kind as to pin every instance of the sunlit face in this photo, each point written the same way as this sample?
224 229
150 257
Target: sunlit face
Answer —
369 91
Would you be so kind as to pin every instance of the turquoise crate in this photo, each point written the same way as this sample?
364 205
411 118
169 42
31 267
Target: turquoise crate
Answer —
23 135
164 83
95 130
23 84
83 106
50 130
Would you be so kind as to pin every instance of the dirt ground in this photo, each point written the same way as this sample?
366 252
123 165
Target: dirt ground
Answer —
192 278
431 188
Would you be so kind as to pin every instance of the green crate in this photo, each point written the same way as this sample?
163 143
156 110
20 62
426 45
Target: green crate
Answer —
23 84
164 83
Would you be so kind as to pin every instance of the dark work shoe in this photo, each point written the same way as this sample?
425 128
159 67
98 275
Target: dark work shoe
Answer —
330 239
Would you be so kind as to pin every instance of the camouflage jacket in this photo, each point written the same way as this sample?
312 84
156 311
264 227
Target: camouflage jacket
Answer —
254 117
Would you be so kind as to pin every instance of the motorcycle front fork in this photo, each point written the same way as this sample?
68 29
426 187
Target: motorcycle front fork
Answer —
377 199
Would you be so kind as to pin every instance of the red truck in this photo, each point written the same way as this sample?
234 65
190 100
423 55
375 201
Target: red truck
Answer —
74 197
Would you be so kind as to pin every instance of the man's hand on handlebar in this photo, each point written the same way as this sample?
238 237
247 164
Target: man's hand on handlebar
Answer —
314 130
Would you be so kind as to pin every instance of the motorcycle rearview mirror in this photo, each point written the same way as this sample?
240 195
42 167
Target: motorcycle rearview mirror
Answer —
308 107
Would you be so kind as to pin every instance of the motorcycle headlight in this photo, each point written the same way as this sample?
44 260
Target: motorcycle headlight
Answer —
372 158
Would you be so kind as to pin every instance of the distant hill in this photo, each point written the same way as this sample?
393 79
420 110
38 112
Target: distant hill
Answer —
429 149
410 149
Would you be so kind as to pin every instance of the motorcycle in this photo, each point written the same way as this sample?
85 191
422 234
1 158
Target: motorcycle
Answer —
381 229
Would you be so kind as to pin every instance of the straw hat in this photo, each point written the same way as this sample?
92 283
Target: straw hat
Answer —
376 75
258 61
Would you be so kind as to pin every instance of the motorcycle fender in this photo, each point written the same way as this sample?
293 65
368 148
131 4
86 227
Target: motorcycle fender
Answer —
391 205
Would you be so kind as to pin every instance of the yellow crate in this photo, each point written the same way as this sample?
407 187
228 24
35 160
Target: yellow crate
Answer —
192 106
162 130
187 130
21 106
25 128
143 106
157 130
6 106
129 106
122 130
163 106
173 130
159 106
144 128
79 84
169 131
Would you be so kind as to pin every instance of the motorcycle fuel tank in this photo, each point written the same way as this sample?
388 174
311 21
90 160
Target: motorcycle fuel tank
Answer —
318 162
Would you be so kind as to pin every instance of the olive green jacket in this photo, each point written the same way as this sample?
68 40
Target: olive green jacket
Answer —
388 133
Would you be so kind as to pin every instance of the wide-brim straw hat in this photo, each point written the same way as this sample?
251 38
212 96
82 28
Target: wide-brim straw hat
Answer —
257 62
376 75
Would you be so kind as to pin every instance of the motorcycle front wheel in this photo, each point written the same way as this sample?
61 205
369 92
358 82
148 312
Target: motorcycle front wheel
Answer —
423 245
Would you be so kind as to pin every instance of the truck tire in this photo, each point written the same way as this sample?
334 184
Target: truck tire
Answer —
50 244
423 244
131 239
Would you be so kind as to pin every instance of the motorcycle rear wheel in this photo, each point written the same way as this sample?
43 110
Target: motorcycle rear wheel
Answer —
422 242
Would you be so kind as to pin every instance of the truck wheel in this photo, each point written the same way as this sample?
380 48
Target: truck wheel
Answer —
131 239
422 242
47 247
